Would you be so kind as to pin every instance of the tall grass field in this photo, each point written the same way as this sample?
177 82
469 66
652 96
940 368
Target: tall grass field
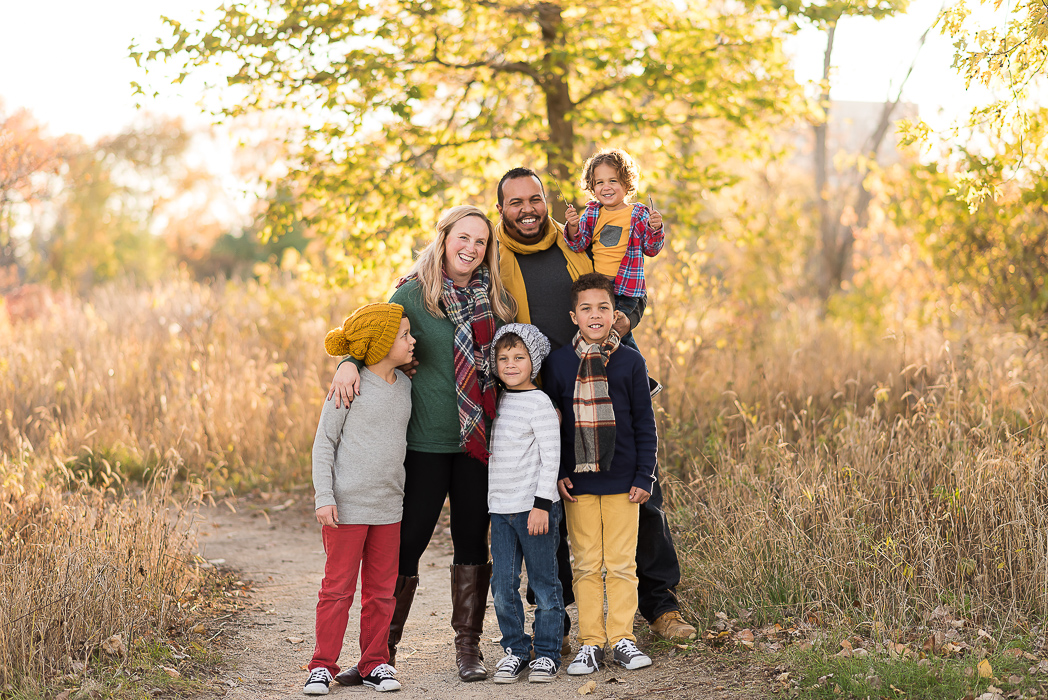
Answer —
813 467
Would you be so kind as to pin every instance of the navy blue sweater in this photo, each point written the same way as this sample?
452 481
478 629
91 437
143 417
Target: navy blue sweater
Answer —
636 441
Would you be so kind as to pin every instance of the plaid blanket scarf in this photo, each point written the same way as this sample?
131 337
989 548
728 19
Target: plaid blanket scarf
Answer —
469 308
594 414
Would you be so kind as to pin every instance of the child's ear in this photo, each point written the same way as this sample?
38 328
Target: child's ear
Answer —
573 319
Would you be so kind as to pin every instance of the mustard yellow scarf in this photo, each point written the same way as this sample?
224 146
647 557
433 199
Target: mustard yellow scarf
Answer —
509 268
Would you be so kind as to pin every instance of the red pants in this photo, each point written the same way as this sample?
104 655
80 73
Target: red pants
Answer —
373 550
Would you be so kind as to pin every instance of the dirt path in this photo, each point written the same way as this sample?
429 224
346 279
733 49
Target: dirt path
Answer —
278 549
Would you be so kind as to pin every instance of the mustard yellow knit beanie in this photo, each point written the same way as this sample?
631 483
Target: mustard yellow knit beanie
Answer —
368 334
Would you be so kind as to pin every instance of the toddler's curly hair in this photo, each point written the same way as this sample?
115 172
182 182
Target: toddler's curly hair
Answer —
616 158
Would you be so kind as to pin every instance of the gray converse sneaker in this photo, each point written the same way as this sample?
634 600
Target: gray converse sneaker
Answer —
382 678
509 668
318 682
626 654
586 661
543 670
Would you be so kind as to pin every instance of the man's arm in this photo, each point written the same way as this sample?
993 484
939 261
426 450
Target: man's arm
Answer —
645 436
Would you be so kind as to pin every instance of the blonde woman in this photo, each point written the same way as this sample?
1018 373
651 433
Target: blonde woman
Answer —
454 301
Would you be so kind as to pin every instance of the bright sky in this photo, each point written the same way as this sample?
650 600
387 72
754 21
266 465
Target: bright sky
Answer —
67 61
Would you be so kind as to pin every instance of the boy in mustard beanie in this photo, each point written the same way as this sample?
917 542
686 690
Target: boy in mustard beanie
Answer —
358 476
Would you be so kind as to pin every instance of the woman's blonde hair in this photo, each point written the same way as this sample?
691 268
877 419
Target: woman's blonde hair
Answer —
428 267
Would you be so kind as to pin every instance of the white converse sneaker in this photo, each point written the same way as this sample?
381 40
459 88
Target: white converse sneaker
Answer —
318 682
586 661
382 678
626 654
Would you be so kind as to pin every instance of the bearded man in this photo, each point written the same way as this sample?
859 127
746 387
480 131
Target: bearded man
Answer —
537 267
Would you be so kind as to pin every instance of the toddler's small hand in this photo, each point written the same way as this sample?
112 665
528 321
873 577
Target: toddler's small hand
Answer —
655 221
571 218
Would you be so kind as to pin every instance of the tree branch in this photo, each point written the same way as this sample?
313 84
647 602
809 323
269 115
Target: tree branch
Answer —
497 66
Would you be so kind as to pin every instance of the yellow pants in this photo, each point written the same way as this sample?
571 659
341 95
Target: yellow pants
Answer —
603 533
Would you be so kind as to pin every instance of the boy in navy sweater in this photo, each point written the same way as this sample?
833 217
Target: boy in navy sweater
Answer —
607 467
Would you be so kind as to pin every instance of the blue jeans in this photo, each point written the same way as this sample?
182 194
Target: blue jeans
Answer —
510 545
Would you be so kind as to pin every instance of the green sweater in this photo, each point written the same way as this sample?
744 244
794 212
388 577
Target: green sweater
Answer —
434 424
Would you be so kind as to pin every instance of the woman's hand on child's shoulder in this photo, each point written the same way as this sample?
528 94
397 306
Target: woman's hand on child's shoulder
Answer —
345 386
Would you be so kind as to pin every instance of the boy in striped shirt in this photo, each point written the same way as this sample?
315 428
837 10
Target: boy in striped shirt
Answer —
525 506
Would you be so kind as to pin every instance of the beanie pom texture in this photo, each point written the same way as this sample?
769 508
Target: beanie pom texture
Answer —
368 334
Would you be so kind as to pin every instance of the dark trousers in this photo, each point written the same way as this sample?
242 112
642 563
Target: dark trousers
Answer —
429 479
658 569
627 305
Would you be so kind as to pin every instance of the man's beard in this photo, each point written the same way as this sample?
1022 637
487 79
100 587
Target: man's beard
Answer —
512 229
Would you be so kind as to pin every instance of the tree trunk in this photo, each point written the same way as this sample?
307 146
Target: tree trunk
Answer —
560 148
827 222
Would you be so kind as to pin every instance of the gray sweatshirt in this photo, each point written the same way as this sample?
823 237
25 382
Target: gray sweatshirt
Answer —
358 454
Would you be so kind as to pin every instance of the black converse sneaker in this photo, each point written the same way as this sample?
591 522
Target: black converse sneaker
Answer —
318 682
626 654
509 668
543 670
586 661
382 678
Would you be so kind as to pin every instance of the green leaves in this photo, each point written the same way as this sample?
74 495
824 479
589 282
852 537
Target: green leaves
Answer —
398 109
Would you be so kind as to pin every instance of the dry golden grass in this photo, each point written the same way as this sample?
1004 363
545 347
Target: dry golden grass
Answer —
86 576
815 468
225 381
868 479
102 401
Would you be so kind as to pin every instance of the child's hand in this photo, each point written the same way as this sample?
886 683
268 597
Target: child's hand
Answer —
638 495
327 516
538 522
563 485
571 221
655 220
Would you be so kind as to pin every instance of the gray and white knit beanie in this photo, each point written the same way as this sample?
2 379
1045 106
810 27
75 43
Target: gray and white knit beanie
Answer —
536 343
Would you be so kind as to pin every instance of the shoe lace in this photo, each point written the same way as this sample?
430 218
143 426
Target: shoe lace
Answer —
587 652
543 663
319 675
508 662
627 647
384 671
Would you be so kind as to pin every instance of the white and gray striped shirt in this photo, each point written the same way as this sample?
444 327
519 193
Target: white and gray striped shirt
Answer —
525 452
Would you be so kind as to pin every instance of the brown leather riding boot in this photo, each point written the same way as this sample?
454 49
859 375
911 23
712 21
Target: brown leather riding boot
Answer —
469 597
404 593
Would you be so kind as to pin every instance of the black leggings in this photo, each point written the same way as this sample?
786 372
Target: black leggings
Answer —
430 477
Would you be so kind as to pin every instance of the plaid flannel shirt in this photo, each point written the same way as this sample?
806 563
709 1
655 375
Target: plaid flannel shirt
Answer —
629 282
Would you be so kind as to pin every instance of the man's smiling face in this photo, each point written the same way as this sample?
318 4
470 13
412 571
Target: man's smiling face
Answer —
523 209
